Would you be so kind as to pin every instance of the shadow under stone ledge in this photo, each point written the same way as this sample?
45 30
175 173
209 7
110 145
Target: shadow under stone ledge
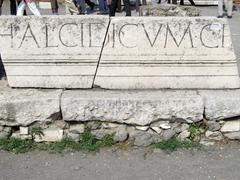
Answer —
2 70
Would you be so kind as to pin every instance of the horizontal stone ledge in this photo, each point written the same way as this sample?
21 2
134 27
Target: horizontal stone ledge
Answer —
132 107
24 107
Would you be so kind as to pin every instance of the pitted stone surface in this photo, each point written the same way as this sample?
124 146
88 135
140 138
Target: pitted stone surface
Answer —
168 52
221 104
168 10
52 51
24 107
131 107
231 126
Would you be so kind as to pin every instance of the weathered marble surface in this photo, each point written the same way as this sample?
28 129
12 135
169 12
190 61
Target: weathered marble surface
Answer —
24 107
52 51
168 10
132 107
170 52
141 108
221 104
138 52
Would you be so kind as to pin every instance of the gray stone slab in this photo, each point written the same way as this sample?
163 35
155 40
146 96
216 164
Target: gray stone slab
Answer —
171 52
131 107
52 51
168 10
220 104
24 107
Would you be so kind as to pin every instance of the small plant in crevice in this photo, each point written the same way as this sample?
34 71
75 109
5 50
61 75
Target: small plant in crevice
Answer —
36 131
87 142
174 144
193 129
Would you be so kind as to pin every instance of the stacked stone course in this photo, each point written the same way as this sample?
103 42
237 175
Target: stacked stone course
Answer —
62 114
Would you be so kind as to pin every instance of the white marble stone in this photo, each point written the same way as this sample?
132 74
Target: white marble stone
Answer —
142 128
52 51
50 135
165 126
157 129
231 126
24 130
167 52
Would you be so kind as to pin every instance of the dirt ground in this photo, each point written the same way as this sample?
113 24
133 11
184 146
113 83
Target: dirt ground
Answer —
216 162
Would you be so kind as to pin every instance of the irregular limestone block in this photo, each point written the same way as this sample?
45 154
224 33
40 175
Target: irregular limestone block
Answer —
231 126
221 104
50 135
23 107
233 135
76 128
24 130
131 107
52 51
168 52
168 10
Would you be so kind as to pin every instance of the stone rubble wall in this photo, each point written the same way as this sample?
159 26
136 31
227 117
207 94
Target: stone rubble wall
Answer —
142 117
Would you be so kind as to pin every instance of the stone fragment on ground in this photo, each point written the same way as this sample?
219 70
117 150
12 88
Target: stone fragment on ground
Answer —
100 133
143 139
231 126
157 129
77 128
233 135
168 134
50 135
142 128
120 134
184 135
24 130
213 125
73 136
217 136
